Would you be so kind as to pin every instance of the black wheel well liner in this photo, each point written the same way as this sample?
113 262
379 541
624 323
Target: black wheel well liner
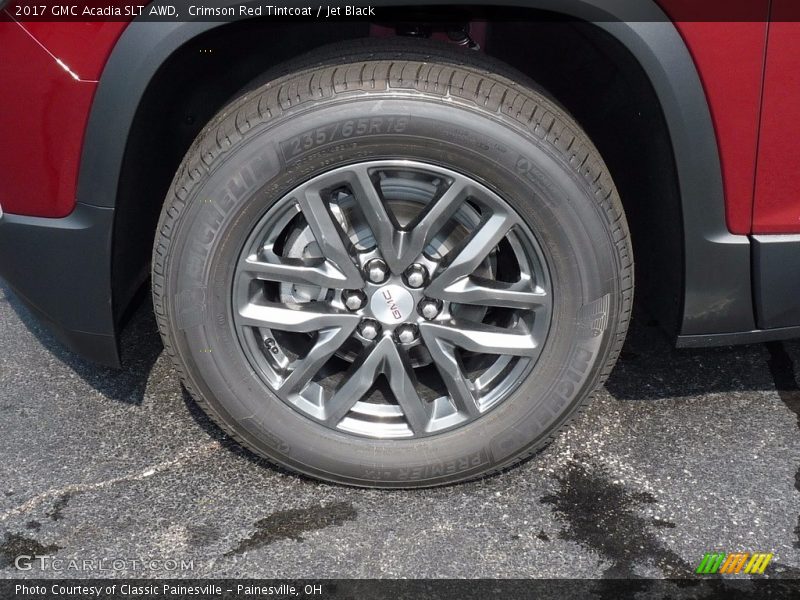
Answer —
647 113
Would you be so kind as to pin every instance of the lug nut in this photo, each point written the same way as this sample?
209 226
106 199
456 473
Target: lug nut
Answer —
369 329
405 334
354 299
416 275
377 270
430 308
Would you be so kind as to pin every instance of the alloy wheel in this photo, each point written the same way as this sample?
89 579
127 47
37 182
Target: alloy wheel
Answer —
392 299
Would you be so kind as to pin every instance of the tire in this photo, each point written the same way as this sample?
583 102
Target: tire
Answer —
414 122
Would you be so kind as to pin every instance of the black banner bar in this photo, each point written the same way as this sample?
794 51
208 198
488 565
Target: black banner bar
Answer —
350 589
391 10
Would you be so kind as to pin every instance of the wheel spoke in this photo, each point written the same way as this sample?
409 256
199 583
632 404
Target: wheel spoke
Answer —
380 219
478 337
357 381
333 244
420 232
316 271
401 246
472 252
451 372
301 319
404 387
486 292
303 369
383 358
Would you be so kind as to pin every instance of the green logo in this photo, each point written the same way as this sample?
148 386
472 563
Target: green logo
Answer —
720 562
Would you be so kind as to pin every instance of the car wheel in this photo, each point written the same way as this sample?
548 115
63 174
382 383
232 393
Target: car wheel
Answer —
393 271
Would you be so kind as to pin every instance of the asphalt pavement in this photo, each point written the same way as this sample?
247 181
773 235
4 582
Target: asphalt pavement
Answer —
681 453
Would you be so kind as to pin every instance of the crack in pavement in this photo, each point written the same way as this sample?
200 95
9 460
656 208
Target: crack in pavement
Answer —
57 511
78 488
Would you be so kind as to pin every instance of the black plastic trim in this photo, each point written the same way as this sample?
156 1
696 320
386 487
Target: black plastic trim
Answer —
60 268
756 336
717 295
776 280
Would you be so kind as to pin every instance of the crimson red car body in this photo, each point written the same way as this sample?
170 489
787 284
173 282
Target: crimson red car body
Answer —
750 73
53 79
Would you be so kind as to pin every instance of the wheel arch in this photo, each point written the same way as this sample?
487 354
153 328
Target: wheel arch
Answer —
714 266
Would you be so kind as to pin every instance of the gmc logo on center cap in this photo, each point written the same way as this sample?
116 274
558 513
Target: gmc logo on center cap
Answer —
392 305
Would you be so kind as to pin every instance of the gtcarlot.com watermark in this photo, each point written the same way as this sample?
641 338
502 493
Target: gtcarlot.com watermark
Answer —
44 562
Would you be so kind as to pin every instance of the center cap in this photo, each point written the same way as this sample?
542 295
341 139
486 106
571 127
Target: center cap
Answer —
391 304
